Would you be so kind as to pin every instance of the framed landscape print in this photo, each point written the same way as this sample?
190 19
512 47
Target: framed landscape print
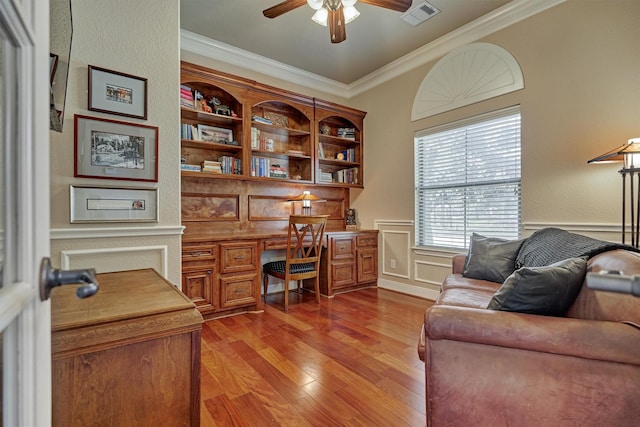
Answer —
110 149
117 93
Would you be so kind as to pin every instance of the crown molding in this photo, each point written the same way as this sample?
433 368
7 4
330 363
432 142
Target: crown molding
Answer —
210 48
509 14
503 17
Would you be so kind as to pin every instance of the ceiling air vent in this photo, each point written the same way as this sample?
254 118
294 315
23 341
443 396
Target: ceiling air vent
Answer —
420 13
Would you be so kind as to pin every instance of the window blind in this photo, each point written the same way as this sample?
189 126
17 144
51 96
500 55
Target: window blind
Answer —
467 177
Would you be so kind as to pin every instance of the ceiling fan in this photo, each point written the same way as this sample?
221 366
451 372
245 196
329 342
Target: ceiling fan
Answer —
337 13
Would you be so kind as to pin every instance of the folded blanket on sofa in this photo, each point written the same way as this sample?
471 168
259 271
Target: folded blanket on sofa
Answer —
550 245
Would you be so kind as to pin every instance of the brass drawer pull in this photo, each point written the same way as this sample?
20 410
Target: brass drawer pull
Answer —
238 257
194 254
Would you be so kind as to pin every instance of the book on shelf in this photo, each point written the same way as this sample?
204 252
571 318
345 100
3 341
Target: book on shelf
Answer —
320 150
260 119
295 153
277 171
186 96
211 166
255 138
348 176
326 177
190 168
347 133
230 165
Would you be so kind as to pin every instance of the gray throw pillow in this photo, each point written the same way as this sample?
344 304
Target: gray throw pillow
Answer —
491 258
549 290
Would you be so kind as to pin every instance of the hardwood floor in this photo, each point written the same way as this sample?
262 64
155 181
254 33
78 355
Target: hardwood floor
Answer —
349 361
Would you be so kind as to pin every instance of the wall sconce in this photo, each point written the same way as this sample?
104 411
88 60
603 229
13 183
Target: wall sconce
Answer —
629 154
306 198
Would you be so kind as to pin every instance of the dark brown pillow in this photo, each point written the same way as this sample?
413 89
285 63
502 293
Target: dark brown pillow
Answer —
549 290
491 258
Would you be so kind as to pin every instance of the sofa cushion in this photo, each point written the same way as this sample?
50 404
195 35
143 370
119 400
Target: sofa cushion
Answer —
548 290
491 258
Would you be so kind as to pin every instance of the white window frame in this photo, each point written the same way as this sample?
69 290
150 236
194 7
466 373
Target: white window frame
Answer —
460 188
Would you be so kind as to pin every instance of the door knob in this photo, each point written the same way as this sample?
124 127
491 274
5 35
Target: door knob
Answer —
53 277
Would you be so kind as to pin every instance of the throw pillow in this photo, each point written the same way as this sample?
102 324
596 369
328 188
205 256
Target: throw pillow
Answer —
491 258
549 290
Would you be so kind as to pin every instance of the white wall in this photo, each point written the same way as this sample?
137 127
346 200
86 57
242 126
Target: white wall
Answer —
139 38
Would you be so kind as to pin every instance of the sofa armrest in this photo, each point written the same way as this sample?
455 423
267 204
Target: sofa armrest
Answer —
590 339
457 263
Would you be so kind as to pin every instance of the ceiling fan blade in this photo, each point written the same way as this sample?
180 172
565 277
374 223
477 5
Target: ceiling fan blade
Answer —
336 25
284 7
397 5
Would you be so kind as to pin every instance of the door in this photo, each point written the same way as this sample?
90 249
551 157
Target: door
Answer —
24 212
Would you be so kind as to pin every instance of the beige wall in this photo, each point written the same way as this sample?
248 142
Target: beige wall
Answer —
581 66
139 38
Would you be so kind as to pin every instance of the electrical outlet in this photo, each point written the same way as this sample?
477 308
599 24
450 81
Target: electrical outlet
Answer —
393 263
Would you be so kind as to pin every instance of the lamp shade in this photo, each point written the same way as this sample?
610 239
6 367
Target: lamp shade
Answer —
628 153
306 198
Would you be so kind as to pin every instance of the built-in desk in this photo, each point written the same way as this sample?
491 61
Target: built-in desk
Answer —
221 273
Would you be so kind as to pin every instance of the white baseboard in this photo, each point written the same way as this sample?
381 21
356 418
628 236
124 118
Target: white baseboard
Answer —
416 291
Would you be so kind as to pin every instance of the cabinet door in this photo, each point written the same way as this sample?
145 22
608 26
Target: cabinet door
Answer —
367 265
238 290
198 286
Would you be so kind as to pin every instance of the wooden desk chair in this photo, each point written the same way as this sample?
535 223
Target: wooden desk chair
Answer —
304 244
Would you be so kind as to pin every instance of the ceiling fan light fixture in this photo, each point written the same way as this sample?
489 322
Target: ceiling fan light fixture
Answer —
349 3
315 4
350 13
321 16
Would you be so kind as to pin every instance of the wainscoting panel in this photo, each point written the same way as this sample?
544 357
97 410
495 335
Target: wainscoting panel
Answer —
106 260
396 250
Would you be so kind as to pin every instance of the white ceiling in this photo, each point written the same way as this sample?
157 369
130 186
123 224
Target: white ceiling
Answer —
376 38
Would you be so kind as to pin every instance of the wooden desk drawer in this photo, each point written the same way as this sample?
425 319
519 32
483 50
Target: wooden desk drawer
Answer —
270 244
343 247
366 240
238 256
343 274
199 253
238 290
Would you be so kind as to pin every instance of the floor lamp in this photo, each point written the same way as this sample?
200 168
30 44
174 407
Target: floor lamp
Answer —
629 154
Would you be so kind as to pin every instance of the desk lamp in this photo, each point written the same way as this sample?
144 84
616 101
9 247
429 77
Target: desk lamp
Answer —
306 197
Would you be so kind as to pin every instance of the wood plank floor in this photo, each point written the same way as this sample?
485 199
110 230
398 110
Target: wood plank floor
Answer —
350 361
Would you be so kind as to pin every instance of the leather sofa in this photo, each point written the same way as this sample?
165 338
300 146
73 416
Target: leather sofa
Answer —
501 368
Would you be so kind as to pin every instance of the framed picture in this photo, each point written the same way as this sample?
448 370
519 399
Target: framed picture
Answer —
215 134
117 93
109 149
53 65
106 204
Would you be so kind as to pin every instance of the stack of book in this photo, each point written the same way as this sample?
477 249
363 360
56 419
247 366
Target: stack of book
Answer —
211 166
277 171
326 177
348 133
295 153
186 97
260 119
190 168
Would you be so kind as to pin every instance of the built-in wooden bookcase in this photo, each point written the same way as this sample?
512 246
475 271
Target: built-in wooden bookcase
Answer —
258 132
339 133
281 138
213 129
